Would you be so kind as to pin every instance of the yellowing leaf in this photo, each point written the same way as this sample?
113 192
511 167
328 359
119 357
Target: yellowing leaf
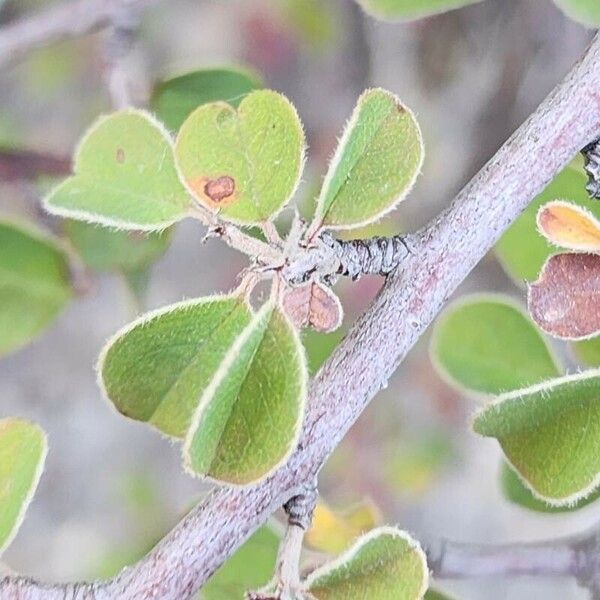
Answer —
244 164
333 532
375 165
125 176
156 368
248 418
23 450
570 226
385 564
550 433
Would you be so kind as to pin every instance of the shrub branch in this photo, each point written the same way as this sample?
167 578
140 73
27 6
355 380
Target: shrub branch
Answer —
443 254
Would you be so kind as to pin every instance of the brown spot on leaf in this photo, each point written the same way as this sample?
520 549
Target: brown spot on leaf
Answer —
120 155
219 189
565 300
313 305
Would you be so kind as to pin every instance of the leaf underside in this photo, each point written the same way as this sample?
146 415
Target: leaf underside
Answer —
248 419
157 367
550 433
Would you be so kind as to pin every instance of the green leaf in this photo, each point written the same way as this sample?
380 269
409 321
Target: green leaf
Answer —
406 10
34 284
550 434
588 351
488 344
155 369
23 450
248 419
375 165
522 251
385 564
125 176
173 100
243 164
250 567
104 249
584 11
516 491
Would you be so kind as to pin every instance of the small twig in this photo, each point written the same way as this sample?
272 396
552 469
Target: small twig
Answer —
271 233
235 237
67 20
22 165
119 40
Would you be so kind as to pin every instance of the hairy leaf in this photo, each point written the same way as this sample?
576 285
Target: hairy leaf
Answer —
385 564
375 165
487 344
550 434
565 300
518 493
173 100
584 11
248 418
156 368
313 305
243 164
23 450
569 226
406 10
250 567
105 249
34 284
125 176
333 532
522 250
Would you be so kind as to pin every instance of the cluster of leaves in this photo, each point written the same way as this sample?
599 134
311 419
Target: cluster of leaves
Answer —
226 379
545 421
583 11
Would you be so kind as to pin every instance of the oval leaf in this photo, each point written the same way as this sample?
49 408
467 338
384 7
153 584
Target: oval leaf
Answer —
173 100
104 249
565 300
518 493
550 434
522 250
487 344
333 532
406 10
243 164
125 176
156 368
34 284
584 11
23 449
248 419
385 564
313 305
375 165
569 226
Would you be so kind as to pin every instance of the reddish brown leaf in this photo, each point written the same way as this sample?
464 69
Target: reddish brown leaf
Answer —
313 305
565 300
